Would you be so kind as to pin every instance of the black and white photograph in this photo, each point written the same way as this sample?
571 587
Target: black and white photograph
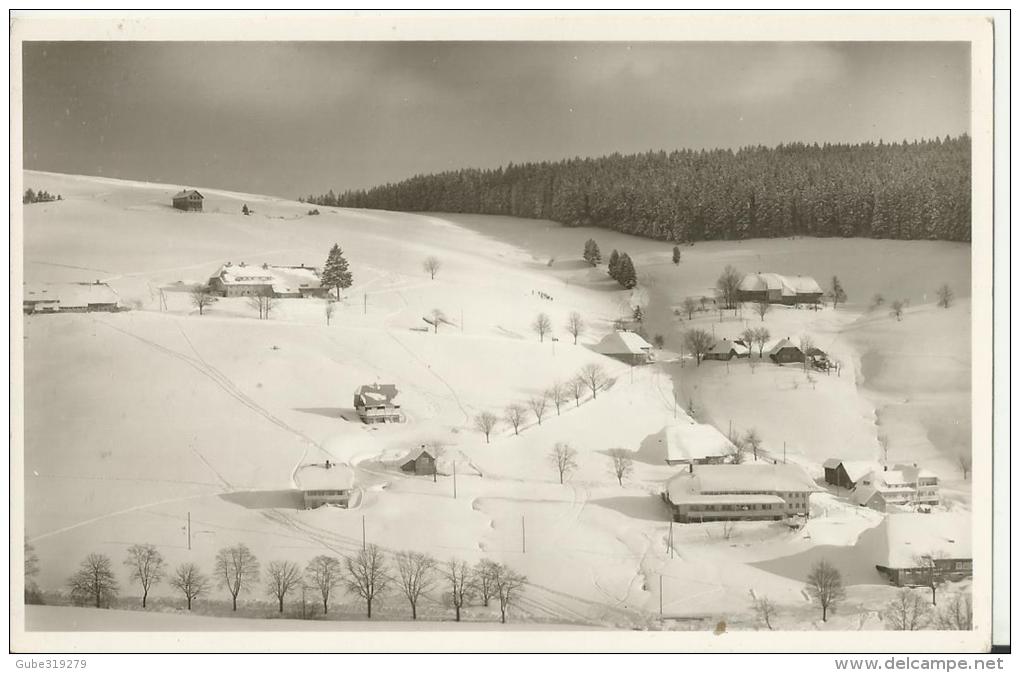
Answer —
527 339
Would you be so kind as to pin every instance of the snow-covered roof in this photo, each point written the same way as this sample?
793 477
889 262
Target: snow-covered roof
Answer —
787 285
831 463
887 481
284 279
316 476
723 346
913 472
184 193
447 460
415 453
902 538
376 393
72 295
623 343
861 494
781 344
695 441
747 478
855 469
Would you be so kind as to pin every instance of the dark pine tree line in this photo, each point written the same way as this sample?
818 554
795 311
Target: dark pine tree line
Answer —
909 190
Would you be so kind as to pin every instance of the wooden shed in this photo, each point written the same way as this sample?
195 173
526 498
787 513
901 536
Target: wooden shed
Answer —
188 199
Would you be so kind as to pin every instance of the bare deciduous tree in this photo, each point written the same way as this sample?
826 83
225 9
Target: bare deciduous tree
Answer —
324 572
825 585
459 578
728 286
577 387
514 415
190 581
956 614
698 342
594 377
883 441
329 308
764 609
965 461
94 583
538 405
623 464
932 566
507 583
762 307
806 345
896 309
542 325
485 423
761 337
146 566
575 325
482 580
263 304
366 574
202 297
416 574
752 440
564 458
907 611
432 266
689 306
877 300
238 569
557 394
281 577
435 317
945 295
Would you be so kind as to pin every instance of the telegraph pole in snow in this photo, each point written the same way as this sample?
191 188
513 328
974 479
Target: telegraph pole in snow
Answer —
524 548
189 531
364 539
455 479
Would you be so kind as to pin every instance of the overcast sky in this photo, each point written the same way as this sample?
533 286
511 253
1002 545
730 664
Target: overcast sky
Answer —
293 118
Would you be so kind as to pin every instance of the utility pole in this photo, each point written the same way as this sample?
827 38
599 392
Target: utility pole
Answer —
524 548
455 479
189 531
303 587
784 453
671 538
364 296
364 540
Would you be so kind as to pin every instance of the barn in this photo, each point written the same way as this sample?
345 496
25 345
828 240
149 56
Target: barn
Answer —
906 545
628 347
846 473
724 350
419 461
785 351
267 280
70 298
690 443
188 199
777 289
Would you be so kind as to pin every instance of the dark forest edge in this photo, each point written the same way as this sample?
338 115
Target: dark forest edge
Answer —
909 190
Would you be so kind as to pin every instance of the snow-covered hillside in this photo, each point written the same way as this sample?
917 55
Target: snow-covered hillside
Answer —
136 420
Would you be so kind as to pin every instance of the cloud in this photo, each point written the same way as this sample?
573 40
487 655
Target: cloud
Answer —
780 70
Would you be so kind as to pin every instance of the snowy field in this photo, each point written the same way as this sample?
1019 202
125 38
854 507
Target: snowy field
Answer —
136 420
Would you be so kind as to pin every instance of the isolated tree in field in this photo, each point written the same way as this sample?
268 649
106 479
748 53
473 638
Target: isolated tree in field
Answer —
594 377
762 307
896 309
907 611
564 458
485 423
324 573
836 292
676 255
956 614
577 386
482 580
689 307
877 300
416 574
190 581
146 566
728 285
626 274
432 266
614 264
336 272
764 610
752 441
538 405
698 342
575 325
435 318
281 577
202 297
329 308
542 325
558 394
514 415
622 464
592 254
237 569
965 461
367 574
508 583
945 295
94 583
458 576
825 585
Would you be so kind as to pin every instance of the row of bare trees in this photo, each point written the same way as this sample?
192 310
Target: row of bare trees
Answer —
592 378
563 458
368 574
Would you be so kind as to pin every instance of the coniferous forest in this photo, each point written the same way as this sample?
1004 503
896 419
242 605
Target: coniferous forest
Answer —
909 190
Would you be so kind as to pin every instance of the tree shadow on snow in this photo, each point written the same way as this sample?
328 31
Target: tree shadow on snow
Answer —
646 507
282 499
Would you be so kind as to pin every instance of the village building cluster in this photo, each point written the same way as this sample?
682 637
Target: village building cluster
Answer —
70 298
267 280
